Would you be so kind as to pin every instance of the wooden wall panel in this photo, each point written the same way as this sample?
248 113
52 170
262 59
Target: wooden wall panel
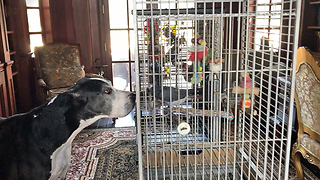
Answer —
105 38
62 23
83 32
307 36
95 33
45 21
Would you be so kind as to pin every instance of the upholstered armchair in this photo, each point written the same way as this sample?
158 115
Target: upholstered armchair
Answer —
58 67
307 97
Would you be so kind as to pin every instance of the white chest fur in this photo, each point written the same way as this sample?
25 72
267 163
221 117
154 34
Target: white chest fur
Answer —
61 157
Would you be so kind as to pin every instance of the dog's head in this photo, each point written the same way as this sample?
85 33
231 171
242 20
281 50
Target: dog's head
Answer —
97 96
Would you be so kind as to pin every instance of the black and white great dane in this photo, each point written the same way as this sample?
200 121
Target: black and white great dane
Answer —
37 145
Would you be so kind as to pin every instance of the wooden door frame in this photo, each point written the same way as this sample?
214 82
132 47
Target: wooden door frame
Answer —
104 36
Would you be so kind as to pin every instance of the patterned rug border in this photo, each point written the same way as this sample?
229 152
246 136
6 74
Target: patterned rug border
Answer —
90 161
94 161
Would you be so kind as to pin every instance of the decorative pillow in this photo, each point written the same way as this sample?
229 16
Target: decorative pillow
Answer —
62 77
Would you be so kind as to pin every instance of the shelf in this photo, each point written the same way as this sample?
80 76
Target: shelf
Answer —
148 12
315 2
15 73
314 27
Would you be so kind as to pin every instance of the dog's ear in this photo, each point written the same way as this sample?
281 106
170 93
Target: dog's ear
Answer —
78 98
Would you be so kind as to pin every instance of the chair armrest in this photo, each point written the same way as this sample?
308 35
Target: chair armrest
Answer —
43 84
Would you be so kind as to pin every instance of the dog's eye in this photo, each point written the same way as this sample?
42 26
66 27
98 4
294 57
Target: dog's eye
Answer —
108 91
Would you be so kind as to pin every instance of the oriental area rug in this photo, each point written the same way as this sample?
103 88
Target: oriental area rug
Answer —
104 154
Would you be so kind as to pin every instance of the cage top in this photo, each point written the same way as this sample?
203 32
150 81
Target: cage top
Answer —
184 11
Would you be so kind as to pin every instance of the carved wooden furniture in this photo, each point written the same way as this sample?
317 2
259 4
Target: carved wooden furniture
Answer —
7 59
307 97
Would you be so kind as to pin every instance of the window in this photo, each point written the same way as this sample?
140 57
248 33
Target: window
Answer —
122 35
121 31
268 15
35 29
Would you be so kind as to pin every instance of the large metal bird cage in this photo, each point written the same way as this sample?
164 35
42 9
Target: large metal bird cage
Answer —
214 91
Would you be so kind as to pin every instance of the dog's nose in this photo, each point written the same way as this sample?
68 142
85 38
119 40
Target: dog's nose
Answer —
133 96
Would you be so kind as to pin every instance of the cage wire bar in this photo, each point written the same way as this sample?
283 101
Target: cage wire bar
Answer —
215 88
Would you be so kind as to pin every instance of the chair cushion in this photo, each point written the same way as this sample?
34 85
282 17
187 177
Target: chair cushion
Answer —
60 65
62 77
311 145
59 55
307 91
